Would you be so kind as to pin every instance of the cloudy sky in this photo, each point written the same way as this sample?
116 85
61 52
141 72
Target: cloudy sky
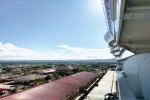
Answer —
52 30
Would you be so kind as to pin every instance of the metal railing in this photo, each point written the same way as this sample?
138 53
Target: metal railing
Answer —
108 37
107 13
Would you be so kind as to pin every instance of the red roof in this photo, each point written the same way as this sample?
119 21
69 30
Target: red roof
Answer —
84 76
54 90
68 79
50 91
78 78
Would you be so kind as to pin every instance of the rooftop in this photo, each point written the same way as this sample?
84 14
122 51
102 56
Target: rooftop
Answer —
84 76
50 91
29 77
55 90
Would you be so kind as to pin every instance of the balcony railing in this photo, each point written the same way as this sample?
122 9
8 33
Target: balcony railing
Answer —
107 13
108 37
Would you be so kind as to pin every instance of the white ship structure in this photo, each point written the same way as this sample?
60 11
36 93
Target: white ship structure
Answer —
128 23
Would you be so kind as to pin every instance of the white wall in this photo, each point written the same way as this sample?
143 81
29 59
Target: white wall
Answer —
144 77
135 71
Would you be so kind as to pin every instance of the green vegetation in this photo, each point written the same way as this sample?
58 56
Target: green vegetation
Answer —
7 70
86 68
95 66
14 90
70 73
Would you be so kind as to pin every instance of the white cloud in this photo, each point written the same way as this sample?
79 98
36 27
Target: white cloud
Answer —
9 51
69 48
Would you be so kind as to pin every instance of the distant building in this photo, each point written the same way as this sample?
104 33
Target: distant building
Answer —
64 70
28 78
7 77
4 89
44 71
17 71
74 68
2 67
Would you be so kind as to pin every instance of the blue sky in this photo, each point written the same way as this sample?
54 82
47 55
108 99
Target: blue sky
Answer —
46 27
